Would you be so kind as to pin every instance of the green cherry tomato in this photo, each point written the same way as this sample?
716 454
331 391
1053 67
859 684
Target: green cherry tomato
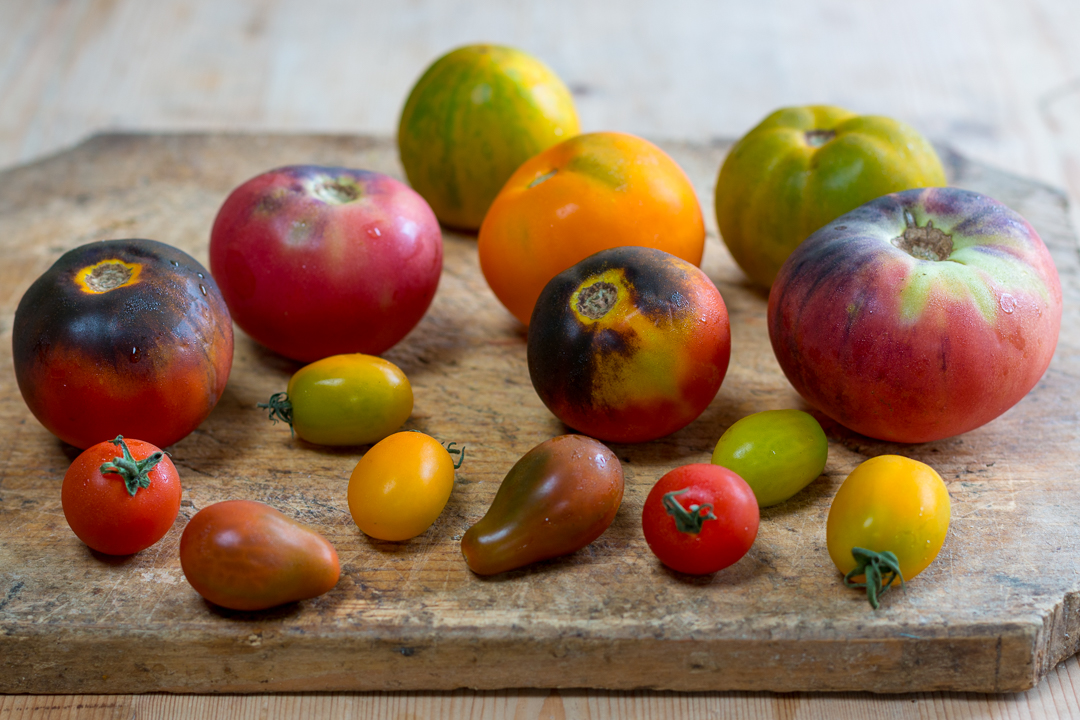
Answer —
803 167
777 453
352 399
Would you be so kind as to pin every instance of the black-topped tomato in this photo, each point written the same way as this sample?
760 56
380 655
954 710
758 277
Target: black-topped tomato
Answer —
122 337
629 345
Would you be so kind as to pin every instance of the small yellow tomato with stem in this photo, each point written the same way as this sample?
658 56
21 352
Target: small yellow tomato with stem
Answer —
401 485
887 523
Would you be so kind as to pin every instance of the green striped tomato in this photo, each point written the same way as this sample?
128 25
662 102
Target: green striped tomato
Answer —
474 116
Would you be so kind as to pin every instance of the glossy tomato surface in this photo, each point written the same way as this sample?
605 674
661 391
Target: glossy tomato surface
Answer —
629 345
121 496
700 518
556 499
317 261
122 337
803 167
777 453
352 399
245 555
589 193
400 486
474 116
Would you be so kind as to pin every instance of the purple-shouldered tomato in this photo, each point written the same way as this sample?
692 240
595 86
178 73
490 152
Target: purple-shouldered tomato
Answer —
122 337
917 316
629 345
318 261
556 499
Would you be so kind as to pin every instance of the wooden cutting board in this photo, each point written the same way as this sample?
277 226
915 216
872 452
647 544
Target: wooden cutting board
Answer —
995 612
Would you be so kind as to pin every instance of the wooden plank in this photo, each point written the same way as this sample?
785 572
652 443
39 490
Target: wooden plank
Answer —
994 613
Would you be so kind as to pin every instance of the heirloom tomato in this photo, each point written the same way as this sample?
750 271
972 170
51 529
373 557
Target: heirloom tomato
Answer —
245 555
777 453
887 522
586 194
801 168
474 116
351 399
629 345
400 486
700 518
121 496
556 499
316 261
122 337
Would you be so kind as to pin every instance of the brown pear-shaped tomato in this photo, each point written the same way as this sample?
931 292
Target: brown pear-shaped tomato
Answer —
245 555
558 498
122 337
629 345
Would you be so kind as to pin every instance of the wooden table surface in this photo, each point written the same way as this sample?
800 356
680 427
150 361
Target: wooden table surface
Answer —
997 79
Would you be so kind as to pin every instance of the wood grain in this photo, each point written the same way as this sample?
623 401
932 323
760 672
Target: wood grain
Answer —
994 613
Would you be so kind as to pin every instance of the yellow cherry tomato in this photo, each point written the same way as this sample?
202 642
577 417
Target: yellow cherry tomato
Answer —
400 486
351 399
887 505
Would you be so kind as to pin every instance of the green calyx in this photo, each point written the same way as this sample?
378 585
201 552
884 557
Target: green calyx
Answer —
136 473
687 520
280 409
881 570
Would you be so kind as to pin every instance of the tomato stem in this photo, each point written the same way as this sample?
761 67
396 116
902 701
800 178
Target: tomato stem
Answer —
460 452
687 521
280 409
136 473
881 570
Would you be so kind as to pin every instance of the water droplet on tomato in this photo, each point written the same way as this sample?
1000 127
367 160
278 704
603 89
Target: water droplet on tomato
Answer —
136 355
202 289
1008 303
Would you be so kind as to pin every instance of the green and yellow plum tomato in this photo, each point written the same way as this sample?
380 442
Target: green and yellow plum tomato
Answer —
472 118
887 523
556 499
629 345
777 453
400 486
803 167
351 399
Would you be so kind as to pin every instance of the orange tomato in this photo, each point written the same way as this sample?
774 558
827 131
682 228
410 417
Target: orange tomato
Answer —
586 194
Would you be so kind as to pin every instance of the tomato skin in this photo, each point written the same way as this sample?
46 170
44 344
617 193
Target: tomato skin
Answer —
148 358
400 486
803 167
721 542
889 503
474 116
556 499
586 194
352 399
777 453
245 555
104 515
640 368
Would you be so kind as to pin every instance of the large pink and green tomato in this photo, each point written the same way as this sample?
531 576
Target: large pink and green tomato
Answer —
918 316
317 261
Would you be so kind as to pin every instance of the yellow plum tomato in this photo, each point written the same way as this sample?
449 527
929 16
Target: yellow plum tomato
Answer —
629 345
471 119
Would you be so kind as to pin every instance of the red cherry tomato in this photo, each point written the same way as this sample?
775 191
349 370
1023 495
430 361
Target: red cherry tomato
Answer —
121 496
700 518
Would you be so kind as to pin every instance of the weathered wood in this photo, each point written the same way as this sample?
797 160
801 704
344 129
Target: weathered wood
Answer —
994 613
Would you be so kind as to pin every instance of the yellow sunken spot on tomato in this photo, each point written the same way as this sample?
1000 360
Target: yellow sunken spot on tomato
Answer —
107 275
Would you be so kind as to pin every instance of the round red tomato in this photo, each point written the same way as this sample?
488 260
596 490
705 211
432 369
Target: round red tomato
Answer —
700 518
629 345
121 496
122 337
319 261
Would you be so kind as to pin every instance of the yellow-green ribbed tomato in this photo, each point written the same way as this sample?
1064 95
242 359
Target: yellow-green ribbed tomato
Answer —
352 399
400 486
473 117
887 522
803 167
777 453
